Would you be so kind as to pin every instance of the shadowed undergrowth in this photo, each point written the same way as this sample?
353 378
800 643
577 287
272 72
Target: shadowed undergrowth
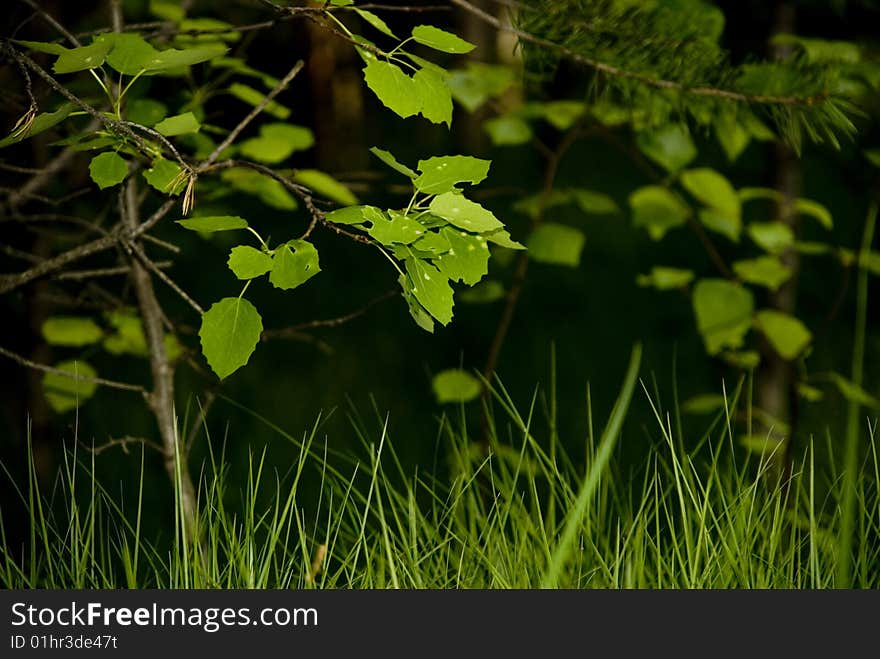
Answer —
513 512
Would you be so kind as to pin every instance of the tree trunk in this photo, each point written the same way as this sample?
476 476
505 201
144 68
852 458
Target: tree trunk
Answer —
776 392
161 400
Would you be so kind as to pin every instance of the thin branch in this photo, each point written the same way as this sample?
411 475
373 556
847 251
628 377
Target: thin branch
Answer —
42 13
258 108
125 386
79 275
293 330
150 265
124 443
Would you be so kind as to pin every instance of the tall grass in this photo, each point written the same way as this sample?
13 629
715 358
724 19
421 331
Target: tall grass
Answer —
518 514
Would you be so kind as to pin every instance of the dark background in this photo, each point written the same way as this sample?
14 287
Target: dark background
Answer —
381 364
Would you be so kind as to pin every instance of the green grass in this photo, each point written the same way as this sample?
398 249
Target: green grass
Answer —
518 514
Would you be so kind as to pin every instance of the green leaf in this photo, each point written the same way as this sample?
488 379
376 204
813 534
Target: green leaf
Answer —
562 115
128 337
477 83
41 123
356 215
441 40
724 313
173 58
485 292
456 386
815 210
72 331
658 210
431 288
434 242
247 262
252 97
129 53
393 87
664 279
165 177
434 96
392 162
747 360
508 131
773 237
400 229
441 174
42 46
230 331
82 58
277 142
851 391
729 226
671 147
416 310
64 393
167 10
732 136
464 213
375 21
467 258
108 169
325 185
766 271
180 124
294 263
145 111
268 190
750 194
714 190
593 203
873 156
502 239
785 333
703 404
213 223
556 244
205 24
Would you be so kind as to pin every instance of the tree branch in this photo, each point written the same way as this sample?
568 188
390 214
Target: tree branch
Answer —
73 376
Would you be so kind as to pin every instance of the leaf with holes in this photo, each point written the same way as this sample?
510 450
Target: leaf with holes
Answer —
416 310
229 333
356 215
247 262
108 169
466 260
431 288
167 60
129 53
294 263
457 209
442 173
399 229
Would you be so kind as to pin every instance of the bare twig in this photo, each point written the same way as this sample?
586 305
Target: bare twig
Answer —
78 275
258 108
124 443
113 384
150 265
287 332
